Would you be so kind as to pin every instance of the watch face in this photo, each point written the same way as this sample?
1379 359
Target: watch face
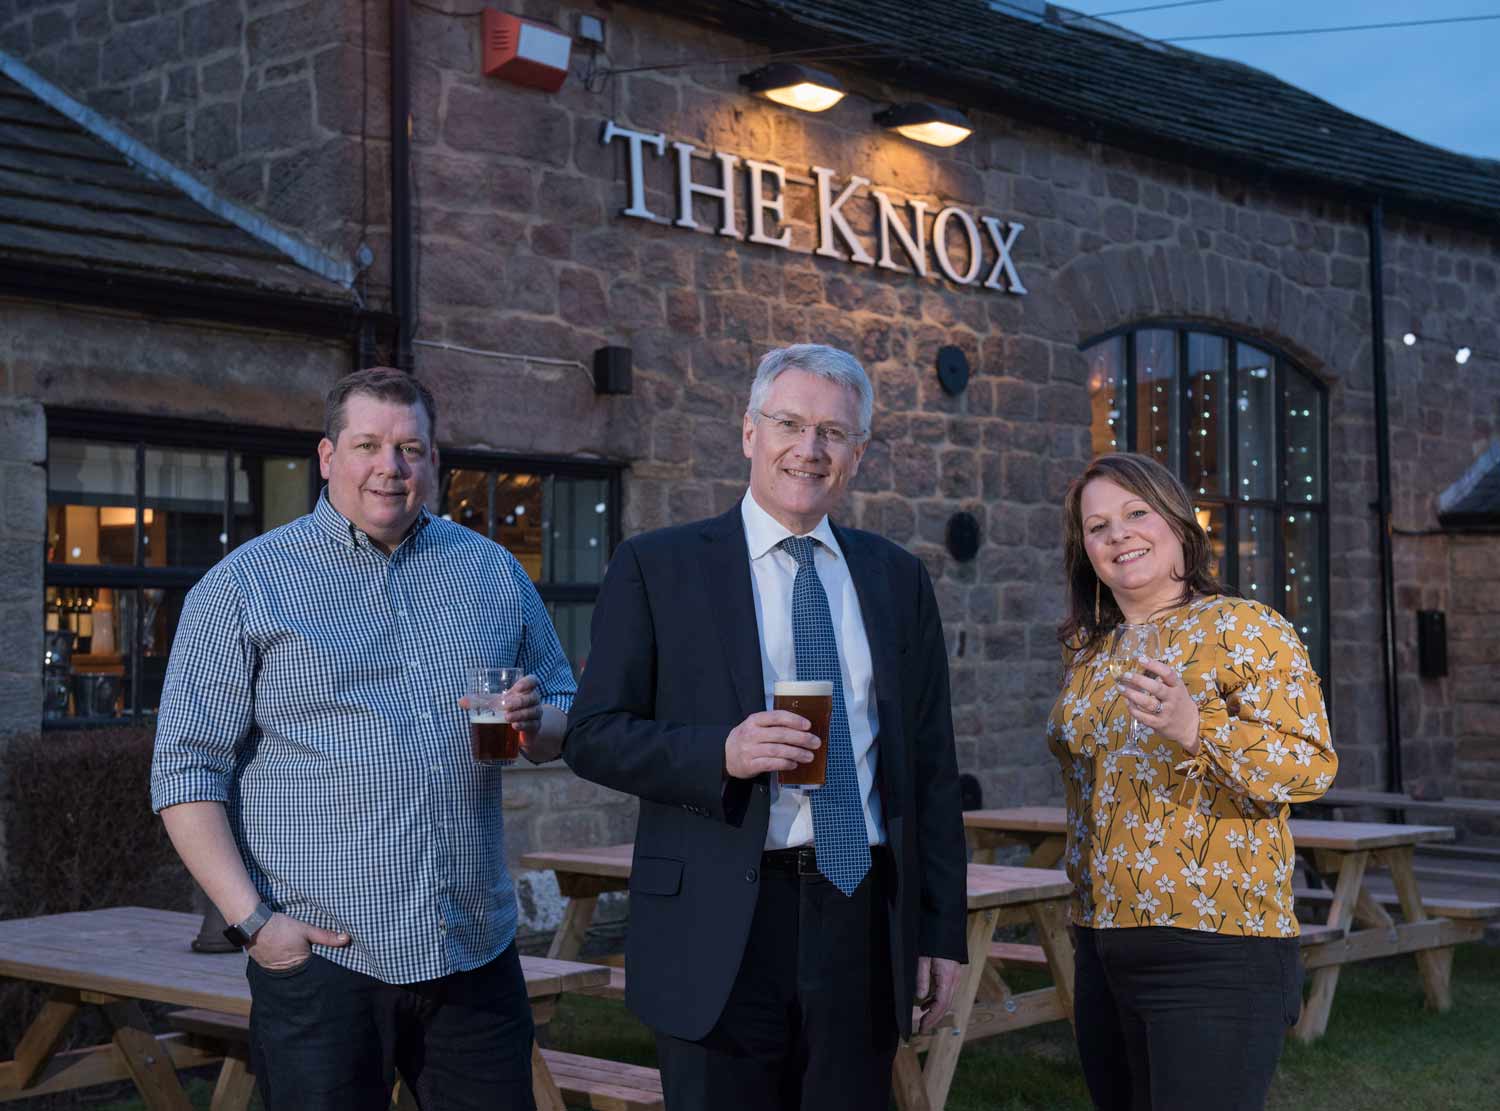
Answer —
236 936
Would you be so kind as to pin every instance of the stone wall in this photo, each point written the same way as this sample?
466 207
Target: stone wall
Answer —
261 98
522 252
23 447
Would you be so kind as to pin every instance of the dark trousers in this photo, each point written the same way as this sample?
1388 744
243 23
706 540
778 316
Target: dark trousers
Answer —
810 1024
324 1038
1171 1019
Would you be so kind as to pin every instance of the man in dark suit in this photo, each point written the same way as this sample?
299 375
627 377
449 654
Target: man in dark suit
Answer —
779 938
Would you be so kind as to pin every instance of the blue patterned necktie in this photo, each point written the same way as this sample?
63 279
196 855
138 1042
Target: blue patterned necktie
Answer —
839 837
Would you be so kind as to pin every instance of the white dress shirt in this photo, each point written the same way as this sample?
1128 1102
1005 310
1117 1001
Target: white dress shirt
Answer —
772 572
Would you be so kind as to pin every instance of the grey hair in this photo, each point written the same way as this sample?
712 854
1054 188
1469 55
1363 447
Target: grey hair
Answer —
823 361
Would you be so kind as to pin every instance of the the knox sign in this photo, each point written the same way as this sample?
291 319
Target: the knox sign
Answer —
949 241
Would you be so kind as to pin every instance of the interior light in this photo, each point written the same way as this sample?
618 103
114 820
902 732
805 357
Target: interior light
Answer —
802 87
1462 355
1410 339
926 123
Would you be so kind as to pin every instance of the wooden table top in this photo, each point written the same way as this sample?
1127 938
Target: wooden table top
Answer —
608 861
141 953
1306 832
1390 800
989 885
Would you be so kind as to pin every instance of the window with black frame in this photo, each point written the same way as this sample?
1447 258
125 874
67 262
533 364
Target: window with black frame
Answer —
558 517
1245 429
138 511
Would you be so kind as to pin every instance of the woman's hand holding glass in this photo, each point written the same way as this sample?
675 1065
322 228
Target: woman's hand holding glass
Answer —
1158 700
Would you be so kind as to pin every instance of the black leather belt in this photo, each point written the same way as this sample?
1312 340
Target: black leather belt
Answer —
801 861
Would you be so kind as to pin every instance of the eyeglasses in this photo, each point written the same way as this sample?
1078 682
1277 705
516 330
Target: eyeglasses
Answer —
789 428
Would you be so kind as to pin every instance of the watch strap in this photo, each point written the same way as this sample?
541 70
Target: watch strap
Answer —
242 932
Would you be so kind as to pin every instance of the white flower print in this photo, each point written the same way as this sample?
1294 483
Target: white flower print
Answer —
1255 923
1147 902
1284 925
1132 819
1154 833
1193 874
1221 870
1226 622
1276 752
1166 884
1235 839
1205 905
1145 862
1241 654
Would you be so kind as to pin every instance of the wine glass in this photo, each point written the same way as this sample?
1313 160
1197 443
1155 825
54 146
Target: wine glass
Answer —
1128 644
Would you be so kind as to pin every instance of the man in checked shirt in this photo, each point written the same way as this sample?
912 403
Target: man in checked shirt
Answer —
313 770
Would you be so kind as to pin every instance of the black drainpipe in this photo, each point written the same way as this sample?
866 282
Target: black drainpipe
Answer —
1383 499
403 301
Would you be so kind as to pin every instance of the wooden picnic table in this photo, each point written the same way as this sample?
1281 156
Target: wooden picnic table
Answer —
1340 853
983 1004
117 958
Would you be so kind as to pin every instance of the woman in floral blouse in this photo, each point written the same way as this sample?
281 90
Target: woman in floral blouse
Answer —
1187 964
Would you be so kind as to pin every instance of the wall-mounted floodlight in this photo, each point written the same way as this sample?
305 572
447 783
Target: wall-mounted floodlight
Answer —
796 86
926 123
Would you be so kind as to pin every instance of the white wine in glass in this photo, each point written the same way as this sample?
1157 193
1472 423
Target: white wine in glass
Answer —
1129 643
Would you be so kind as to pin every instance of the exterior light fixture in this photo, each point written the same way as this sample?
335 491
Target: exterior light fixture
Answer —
1410 339
926 123
1461 356
810 90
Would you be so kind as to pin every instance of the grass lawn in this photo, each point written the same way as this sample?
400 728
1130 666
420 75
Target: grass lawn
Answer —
1383 1052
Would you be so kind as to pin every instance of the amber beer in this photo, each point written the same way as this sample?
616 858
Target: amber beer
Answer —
814 701
492 739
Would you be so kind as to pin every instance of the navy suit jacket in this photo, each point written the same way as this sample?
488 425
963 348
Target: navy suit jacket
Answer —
674 665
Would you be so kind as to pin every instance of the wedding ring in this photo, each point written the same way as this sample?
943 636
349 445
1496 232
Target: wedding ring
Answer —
1158 707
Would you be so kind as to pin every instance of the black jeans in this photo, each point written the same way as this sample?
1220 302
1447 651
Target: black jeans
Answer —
1170 1019
810 1023
324 1038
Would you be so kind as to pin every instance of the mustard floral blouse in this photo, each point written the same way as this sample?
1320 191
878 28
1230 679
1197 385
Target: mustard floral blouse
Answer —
1200 843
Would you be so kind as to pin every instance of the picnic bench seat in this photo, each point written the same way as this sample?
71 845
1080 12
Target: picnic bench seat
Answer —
605 1085
588 1081
1442 908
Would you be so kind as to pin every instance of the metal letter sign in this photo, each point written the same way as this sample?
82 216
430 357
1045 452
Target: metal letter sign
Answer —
925 244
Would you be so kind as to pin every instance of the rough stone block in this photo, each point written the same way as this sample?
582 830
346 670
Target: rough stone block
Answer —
491 120
277 118
23 431
139 49
215 133
290 32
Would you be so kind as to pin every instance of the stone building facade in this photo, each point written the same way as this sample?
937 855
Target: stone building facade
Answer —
523 252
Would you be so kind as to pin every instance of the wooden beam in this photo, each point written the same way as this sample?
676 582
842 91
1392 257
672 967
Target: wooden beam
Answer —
102 1064
40 1040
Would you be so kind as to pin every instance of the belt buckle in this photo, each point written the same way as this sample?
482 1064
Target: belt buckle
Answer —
807 861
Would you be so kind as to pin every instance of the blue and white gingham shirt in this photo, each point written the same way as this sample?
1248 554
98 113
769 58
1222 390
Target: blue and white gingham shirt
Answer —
313 689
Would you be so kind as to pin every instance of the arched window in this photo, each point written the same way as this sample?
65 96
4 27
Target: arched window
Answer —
1245 429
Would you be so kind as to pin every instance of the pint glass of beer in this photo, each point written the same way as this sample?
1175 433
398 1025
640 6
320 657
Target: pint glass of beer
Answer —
814 701
493 739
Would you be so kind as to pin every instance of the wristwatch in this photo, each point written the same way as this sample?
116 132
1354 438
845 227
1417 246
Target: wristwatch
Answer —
241 933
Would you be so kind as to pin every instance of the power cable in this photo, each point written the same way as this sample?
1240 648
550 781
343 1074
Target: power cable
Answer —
1133 11
1333 30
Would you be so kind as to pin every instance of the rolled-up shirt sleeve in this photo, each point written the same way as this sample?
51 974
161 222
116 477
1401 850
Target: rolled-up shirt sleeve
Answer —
540 652
207 701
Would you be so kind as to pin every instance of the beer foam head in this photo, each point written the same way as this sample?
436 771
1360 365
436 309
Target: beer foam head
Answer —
806 688
487 717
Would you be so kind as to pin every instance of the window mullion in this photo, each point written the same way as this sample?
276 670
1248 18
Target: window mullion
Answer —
1127 410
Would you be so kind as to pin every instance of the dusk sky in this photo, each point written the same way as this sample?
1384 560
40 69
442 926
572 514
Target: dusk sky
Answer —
1439 84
